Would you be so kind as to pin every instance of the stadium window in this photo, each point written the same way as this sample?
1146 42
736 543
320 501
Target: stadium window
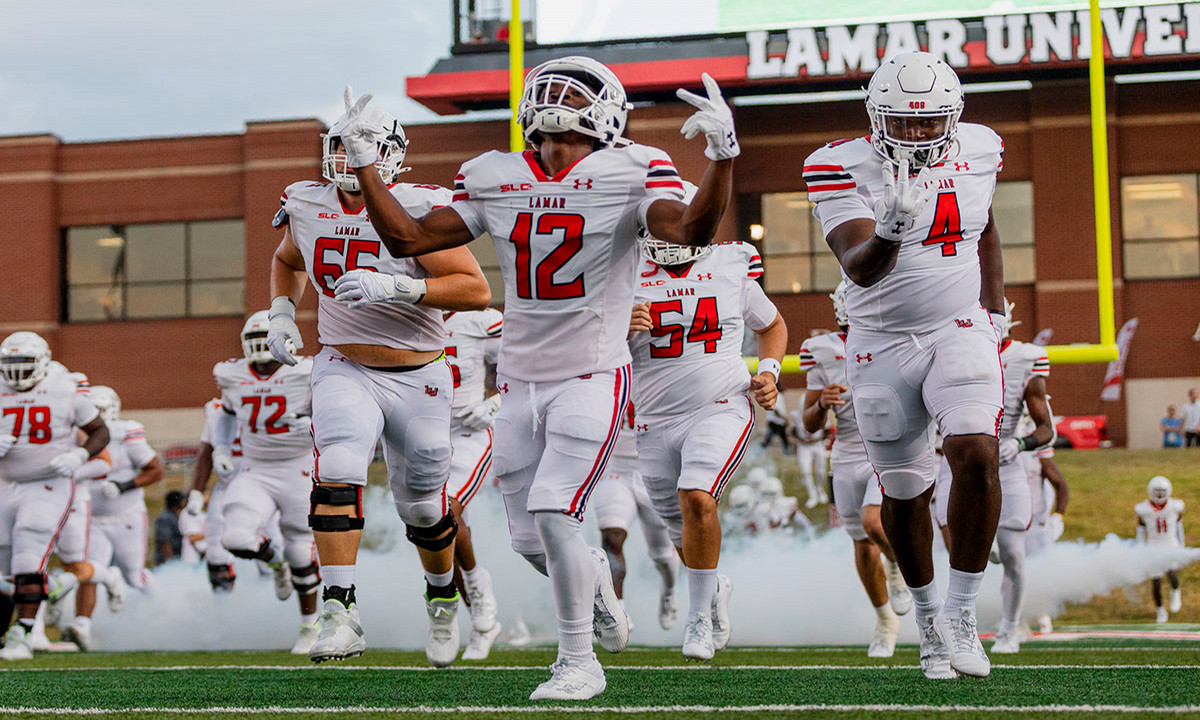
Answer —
1160 226
159 270
1012 209
795 256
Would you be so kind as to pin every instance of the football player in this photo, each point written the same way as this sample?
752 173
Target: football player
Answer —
1049 495
119 521
472 343
693 398
39 453
811 456
620 496
563 216
381 370
1160 523
856 492
907 212
268 406
221 575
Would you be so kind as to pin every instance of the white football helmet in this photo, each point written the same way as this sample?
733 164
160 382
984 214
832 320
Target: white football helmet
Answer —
542 108
107 402
24 360
1008 323
840 316
1159 490
741 498
914 101
772 489
667 254
392 147
254 338
756 477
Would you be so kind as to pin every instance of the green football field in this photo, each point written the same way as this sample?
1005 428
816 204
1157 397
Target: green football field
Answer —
1140 677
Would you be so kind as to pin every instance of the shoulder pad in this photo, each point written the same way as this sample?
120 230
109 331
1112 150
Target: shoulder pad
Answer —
225 371
827 171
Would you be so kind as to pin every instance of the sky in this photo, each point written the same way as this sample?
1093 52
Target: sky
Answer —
87 70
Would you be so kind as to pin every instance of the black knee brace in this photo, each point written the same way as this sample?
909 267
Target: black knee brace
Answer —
263 552
221 577
427 538
306 579
21 584
340 496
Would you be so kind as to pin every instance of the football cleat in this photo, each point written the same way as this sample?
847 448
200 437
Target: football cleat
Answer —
283 580
898 594
483 602
962 638
935 651
341 633
667 611
721 627
479 645
81 636
1045 624
812 501
1176 600
519 633
883 644
16 644
441 645
37 639
610 623
572 681
1006 643
59 585
306 638
116 590
698 639
1162 615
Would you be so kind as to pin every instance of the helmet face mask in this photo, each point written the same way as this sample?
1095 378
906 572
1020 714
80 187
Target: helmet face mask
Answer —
914 102
390 139
1159 490
667 254
107 402
24 360
254 338
573 94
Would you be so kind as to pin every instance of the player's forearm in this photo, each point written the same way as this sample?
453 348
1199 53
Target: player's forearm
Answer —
459 292
400 232
813 414
772 340
287 280
864 256
1062 493
203 469
151 473
703 216
97 438
991 267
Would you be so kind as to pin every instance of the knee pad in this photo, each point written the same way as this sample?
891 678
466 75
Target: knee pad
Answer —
342 462
336 497
422 510
221 578
970 420
261 551
30 588
431 538
666 504
306 579
880 414
903 484
298 553
240 540
427 462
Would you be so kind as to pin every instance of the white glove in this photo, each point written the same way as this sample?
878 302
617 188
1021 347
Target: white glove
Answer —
6 443
195 504
358 138
481 415
363 287
1056 525
67 463
222 460
713 118
903 200
283 337
295 421
109 490
1009 447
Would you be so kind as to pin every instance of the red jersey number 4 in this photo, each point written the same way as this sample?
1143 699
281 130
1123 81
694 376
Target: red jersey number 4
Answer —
947 224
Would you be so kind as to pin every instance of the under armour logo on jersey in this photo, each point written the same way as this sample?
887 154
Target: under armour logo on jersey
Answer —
642 428
431 391
961 166
703 276
964 323
862 358
503 388
583 183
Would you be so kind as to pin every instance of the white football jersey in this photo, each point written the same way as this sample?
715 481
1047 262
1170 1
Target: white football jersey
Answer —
937 272
260 404
43 419
1021 362
823 358
1161 523
334 240
693 354
567 250
472 341
130 452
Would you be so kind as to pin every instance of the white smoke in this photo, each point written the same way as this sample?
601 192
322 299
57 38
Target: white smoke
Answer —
787 591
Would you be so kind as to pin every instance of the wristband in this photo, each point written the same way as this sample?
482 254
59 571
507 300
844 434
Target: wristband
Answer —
1029 442
282 305
770 365
125 485
997 312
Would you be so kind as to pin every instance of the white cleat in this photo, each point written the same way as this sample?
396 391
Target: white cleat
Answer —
59 585
519 633
305 640
610 623
479 645
38 640
483 602
441 645
811 502
883 645
962 638
77 634
935 651
698 639
1162 615
1045 624
822 496
572 681
1006 643
1176 600
116 591
721 627
16 644
341 633
898 595
283 581
668 613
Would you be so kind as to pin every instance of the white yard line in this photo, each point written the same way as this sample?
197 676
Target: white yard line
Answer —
532 709
543 668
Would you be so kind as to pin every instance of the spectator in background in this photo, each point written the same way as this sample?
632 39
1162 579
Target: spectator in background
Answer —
168 541
1191 419
1172 429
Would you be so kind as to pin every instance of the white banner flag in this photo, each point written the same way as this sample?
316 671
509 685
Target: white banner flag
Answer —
1116 369
1043 337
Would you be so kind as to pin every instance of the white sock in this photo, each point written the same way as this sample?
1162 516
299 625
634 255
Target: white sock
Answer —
101 574
702 586
575 639
471 576
668 572
338 575
884 612
573 580
1007 627
440 579
963 589
308 619
83 622
926 599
